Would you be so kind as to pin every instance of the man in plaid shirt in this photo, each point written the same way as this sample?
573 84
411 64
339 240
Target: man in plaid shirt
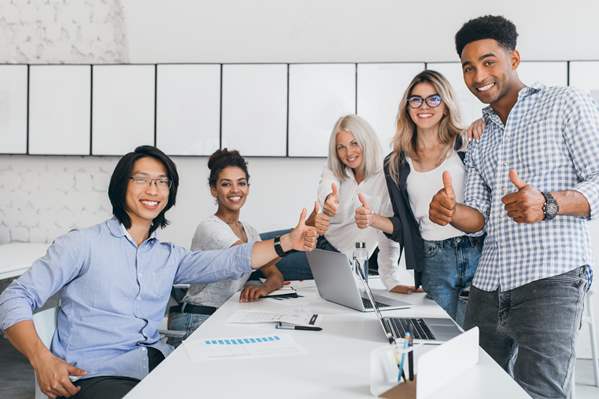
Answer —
532 184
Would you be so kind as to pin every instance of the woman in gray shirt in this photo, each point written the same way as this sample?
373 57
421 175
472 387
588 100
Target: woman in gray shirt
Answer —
229 185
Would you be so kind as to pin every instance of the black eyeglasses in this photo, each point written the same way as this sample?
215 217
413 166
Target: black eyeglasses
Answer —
433 101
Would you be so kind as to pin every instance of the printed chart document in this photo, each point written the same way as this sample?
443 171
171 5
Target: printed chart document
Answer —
297 317
249 347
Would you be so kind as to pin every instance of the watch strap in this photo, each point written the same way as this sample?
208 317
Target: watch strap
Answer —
278 247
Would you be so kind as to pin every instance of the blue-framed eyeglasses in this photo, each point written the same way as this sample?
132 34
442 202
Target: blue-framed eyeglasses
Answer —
433 101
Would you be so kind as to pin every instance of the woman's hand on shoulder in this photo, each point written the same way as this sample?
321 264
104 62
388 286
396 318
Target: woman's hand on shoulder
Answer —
476 129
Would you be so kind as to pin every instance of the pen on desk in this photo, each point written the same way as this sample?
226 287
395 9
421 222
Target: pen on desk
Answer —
282 326
411 357
289 295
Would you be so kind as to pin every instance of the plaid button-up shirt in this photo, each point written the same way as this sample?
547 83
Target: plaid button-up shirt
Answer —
551 138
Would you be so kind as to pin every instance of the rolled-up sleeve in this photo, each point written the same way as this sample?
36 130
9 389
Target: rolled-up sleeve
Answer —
477 193
62 263
213 265
388 262
582 138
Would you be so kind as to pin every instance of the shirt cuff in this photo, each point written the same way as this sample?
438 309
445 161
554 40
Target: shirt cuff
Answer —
590 190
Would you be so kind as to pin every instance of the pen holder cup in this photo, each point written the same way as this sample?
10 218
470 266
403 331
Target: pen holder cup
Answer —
384 370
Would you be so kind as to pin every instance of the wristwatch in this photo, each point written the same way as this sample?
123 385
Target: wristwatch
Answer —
279 248
550 207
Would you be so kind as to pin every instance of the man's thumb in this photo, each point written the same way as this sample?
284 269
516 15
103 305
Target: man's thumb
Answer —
516 179
302 218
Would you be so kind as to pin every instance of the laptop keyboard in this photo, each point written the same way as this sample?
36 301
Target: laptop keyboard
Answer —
367 304
416 327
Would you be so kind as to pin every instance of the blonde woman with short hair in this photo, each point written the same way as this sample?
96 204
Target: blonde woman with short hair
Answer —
353 176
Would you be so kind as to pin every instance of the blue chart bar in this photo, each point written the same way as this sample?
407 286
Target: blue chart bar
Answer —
242 341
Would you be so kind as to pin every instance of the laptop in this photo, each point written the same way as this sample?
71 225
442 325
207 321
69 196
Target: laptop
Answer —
337 283
426 330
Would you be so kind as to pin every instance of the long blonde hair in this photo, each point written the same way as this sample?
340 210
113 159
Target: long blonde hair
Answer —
450 125
366 138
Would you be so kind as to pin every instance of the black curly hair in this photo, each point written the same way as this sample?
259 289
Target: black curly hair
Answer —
494 27
221 159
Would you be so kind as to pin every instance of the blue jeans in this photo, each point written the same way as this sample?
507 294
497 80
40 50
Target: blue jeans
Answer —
531 330
187 322
449 267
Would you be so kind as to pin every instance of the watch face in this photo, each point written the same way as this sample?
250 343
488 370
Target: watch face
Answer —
551 208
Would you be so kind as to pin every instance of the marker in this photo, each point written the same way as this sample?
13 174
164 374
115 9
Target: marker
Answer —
410 357
282 326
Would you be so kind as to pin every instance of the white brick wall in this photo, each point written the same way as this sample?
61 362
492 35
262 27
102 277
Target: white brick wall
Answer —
65 31
43 197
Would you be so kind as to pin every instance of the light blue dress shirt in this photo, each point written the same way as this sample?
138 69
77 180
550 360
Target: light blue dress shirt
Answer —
114 294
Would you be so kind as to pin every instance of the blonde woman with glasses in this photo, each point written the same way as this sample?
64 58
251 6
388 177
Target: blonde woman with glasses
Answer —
428 141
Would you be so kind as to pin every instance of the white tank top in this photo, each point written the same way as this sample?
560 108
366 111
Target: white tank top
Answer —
422 186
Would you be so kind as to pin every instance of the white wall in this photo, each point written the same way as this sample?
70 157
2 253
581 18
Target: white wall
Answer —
41 197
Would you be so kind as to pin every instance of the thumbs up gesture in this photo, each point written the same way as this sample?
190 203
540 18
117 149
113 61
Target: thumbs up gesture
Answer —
363 214
303 237
321 220
526 204
442 206
331 203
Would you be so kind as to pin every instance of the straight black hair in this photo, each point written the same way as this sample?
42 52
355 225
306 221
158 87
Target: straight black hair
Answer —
117 190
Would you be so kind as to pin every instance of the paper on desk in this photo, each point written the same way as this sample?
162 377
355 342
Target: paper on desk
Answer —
297 316
274 345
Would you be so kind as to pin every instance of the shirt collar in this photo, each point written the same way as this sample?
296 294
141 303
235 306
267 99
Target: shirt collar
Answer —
489 113
117 229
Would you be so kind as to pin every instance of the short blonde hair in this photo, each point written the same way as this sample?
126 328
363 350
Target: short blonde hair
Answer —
367 140
450 125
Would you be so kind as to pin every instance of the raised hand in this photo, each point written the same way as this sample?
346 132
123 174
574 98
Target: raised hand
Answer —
526 204
363 214
321 220
442 206
53 376
303 237
331 203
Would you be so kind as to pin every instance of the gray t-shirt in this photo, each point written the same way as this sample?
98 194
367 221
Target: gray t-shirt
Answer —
213 233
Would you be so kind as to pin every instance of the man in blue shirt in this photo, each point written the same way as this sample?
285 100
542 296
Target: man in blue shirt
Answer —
532 183
116 278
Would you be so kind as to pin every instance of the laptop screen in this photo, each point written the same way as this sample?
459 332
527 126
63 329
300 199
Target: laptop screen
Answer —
378 313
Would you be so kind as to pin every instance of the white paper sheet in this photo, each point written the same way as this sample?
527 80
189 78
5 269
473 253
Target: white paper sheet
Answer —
274 345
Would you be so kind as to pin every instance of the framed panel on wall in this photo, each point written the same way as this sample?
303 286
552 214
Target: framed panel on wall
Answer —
470 106
188 109
254 118
123 108
546 73
13 109
59 109
583 75
380 87
319 94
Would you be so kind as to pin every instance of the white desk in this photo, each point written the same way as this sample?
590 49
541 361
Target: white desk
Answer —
337 364
17 257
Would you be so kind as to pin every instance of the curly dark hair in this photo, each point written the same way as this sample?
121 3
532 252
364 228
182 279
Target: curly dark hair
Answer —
493 27
221 159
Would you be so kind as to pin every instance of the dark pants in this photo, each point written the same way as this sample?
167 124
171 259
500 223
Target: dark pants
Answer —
113 387
531 330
